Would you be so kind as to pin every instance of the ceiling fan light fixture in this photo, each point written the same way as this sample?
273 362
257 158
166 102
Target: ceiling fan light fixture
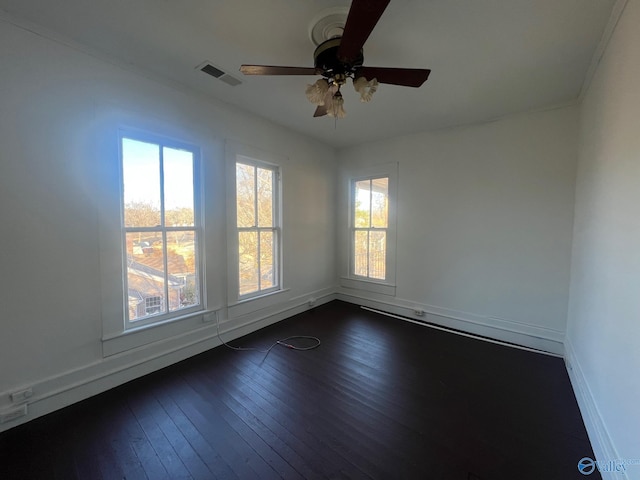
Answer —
336 108
338 57
366 88
317 92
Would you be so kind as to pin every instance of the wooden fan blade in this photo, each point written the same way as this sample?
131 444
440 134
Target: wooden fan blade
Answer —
321 111
407 77
273 70
363 17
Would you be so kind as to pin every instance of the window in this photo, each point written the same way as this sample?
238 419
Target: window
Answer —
160 229
152 305
368 241
255 241
370 226
257 218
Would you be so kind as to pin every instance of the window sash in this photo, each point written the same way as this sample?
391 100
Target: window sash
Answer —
166 311
259 228
261 266
171 299
367 265
375 265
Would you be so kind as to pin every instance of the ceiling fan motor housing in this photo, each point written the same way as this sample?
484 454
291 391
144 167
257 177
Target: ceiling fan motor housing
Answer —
328 64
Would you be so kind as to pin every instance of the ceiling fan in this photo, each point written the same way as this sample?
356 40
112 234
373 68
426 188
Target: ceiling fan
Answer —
340 57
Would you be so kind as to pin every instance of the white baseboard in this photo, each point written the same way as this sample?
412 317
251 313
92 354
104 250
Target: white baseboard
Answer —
601 442
65 389
530 336
59 391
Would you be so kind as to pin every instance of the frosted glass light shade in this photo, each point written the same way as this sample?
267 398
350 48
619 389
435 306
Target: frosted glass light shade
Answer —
336 109
365 88
317 92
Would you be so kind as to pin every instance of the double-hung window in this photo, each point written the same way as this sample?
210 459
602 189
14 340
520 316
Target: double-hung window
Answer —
370 262
370 227
161 229
257 227
255 278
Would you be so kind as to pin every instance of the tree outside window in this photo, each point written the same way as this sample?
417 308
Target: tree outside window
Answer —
370 227
257 228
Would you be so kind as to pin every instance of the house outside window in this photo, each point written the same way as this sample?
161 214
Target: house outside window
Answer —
161 229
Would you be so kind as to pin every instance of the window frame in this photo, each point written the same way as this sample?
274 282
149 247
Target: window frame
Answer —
102 153
242 304
274 228
162 142
387 285
370 229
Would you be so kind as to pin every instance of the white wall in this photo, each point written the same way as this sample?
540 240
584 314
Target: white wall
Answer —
57 105
603 334
485 218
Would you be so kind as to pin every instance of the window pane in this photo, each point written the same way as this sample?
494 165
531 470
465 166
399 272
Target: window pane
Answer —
362 204
184 290
377 250
178 188
267 274
379 202
265 197
145 274
141 183
360 251
248 262
245 195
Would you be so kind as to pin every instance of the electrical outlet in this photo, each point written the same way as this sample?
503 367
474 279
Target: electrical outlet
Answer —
13 413
22 395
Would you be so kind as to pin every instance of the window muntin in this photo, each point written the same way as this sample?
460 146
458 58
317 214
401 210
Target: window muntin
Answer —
161 231
257 228
370 219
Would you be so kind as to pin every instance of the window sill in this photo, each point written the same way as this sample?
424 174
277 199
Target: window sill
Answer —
368 286
253 304
154 332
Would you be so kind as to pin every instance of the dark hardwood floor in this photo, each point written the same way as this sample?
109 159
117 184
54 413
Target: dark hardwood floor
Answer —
380 398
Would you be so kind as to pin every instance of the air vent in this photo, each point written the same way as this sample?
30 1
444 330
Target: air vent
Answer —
211 70
216 72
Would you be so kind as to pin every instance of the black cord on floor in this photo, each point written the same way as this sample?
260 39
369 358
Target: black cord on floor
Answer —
282 343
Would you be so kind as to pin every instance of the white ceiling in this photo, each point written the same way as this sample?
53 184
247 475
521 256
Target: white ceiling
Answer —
489 58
